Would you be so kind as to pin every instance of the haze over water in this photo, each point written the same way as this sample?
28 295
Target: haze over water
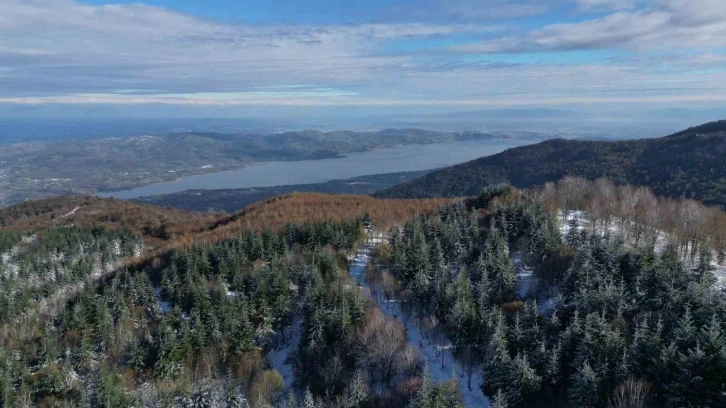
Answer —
388 160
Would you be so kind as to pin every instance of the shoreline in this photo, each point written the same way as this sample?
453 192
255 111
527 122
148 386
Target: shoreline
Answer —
420 158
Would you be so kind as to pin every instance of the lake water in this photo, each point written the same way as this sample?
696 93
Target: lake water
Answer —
388 160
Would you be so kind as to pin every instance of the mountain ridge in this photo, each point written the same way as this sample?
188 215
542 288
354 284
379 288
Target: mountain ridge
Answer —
686 164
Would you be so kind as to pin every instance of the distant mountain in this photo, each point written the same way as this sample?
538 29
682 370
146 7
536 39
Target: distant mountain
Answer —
534 113
691 164
696 115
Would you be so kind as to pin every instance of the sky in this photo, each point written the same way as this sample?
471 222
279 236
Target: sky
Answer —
376 55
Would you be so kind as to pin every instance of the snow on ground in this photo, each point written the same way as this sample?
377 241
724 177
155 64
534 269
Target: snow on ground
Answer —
358 266
615 228
72 212
165 306
229 293
437 353
8 266
282 357
720 274
525 275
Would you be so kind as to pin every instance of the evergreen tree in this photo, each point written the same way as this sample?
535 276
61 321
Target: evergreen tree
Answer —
500 400
425 395
448 395
573 233
357 394
308 400
524 380
584 390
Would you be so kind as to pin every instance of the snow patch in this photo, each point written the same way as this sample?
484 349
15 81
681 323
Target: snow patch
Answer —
165 305
282 358
72 212
525 275
659 240
435 349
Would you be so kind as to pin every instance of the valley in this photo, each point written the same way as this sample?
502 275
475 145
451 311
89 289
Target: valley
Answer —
400 158
41 169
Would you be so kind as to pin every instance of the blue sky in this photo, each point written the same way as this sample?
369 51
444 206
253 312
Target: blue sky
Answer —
396 55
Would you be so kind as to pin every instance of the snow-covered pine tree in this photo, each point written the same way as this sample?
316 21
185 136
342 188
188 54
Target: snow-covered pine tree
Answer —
584 390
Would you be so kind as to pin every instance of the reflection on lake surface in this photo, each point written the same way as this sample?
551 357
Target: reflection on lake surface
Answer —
388 160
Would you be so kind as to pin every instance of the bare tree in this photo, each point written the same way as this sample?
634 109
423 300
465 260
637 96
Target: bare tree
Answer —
632 393
469 361
627 204
695 217
573 191
378 343
646 211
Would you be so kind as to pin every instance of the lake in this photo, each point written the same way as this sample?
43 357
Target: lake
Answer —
388 160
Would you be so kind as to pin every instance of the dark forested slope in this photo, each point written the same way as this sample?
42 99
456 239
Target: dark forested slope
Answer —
687 164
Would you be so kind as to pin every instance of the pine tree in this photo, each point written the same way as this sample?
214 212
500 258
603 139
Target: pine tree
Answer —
462 314
524 379
704 270
165 366
436 255
291 400
497 363
500 400
425 394
553 365
623 369
584 390
308 400
685 333
357 394
501 270
448 395
572 238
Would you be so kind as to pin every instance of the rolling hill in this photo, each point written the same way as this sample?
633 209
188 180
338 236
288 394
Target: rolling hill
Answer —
686 164
164 228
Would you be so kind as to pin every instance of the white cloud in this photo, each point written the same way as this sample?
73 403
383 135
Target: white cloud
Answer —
60 51
607 4
664 24
59 45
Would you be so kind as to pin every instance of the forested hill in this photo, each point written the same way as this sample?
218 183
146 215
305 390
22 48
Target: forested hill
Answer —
163 228
686 164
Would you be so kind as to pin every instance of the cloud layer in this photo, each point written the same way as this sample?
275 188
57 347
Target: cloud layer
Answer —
524 52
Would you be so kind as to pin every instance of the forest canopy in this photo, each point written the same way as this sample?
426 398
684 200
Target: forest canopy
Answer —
575 294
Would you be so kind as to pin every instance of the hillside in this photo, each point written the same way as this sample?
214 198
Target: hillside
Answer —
155 224
686 164
163 228
275 213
